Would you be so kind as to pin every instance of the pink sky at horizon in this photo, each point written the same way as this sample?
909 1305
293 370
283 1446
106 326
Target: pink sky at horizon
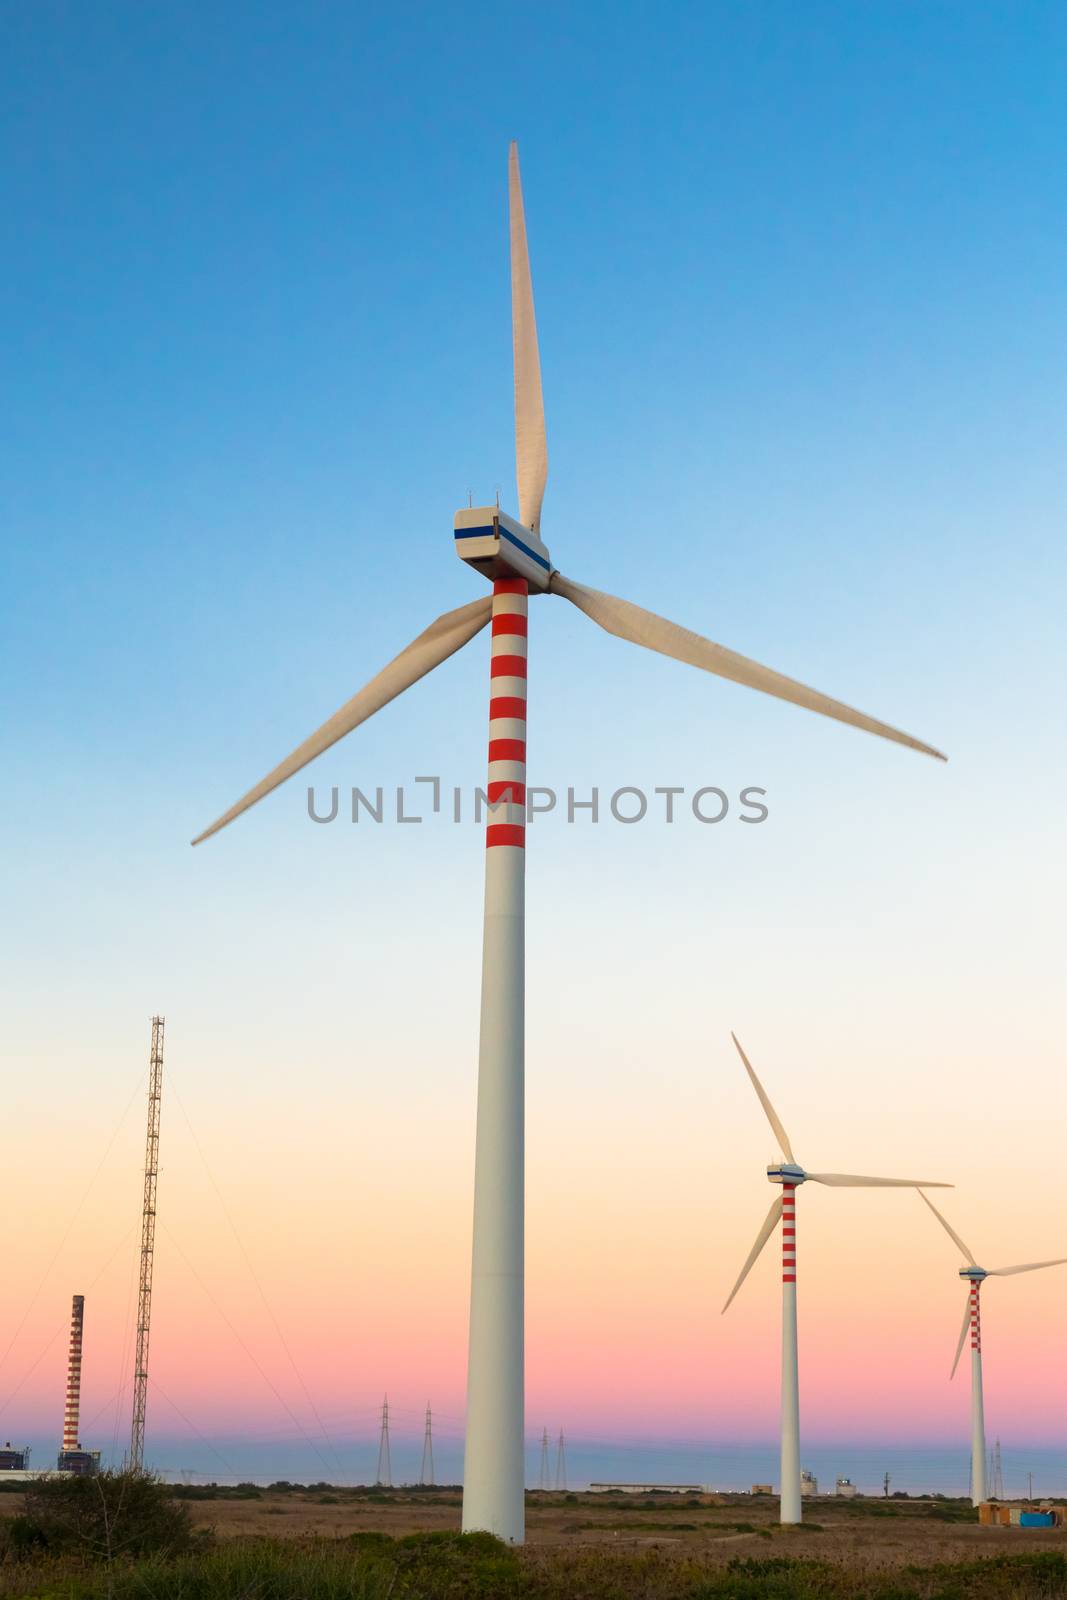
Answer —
635 1237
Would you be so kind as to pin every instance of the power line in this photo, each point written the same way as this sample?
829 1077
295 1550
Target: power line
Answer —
62 1326
271 1385
127 1339
156 1385
70 1226
113 1400
259 1287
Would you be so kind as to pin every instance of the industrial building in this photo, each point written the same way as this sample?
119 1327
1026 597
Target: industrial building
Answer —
14 1458
845 1489
809 1483
991 1514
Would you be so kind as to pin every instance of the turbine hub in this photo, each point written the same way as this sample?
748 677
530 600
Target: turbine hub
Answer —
975 1274
786 1172
497 546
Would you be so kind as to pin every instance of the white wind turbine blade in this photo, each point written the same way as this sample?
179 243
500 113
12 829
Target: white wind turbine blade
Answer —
633 623
963 1336
953 1235
1030 1266
440 640
851 1180
772 1115
531 448
761 1239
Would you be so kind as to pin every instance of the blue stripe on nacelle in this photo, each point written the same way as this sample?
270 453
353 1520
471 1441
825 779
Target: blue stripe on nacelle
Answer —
525 548
480 533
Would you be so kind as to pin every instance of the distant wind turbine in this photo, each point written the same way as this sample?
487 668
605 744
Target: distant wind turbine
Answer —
509 553
975 1276
790 1175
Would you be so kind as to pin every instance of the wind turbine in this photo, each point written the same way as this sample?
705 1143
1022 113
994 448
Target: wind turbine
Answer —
791 1175
509 553
975 1276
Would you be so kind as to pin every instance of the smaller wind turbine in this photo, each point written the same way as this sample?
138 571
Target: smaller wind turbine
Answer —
976 1276
790 1175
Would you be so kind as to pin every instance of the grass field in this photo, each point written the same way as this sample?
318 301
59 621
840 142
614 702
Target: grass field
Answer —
717 1528
327 1543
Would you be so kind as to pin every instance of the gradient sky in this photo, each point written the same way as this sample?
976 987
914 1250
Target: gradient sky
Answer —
801 282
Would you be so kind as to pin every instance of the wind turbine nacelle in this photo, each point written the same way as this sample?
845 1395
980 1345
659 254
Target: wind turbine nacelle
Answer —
499 547
974 1274
785 1172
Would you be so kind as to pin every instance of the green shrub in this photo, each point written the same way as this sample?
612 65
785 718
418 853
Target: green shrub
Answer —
103 1515
452 1566
21 1537
370 1541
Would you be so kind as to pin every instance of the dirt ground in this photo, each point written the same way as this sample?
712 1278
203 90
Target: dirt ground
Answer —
869 1533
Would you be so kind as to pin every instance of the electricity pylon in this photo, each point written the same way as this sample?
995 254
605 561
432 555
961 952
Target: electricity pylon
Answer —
561 1462
148 1244
426 1470
385 1466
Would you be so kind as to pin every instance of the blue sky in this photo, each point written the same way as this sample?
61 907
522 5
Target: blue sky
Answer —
801 283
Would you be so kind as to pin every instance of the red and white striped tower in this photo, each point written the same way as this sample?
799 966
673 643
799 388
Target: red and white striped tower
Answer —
790 1460
790 1174
978 1457
974 1276
74 1375
493 1477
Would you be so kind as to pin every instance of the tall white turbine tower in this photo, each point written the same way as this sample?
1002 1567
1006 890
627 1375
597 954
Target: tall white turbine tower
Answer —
790 1175
509 553
974 1276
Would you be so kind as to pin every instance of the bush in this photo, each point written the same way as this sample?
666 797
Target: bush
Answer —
20 1537
101 1516
368 1541
447 1565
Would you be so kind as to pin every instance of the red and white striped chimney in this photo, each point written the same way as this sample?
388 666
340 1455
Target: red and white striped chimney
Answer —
74 1375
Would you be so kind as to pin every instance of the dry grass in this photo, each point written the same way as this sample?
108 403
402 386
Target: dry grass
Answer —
864 1533
347 1544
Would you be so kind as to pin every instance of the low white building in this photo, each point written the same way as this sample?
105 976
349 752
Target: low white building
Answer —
647 1488
846 1489
809 1483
